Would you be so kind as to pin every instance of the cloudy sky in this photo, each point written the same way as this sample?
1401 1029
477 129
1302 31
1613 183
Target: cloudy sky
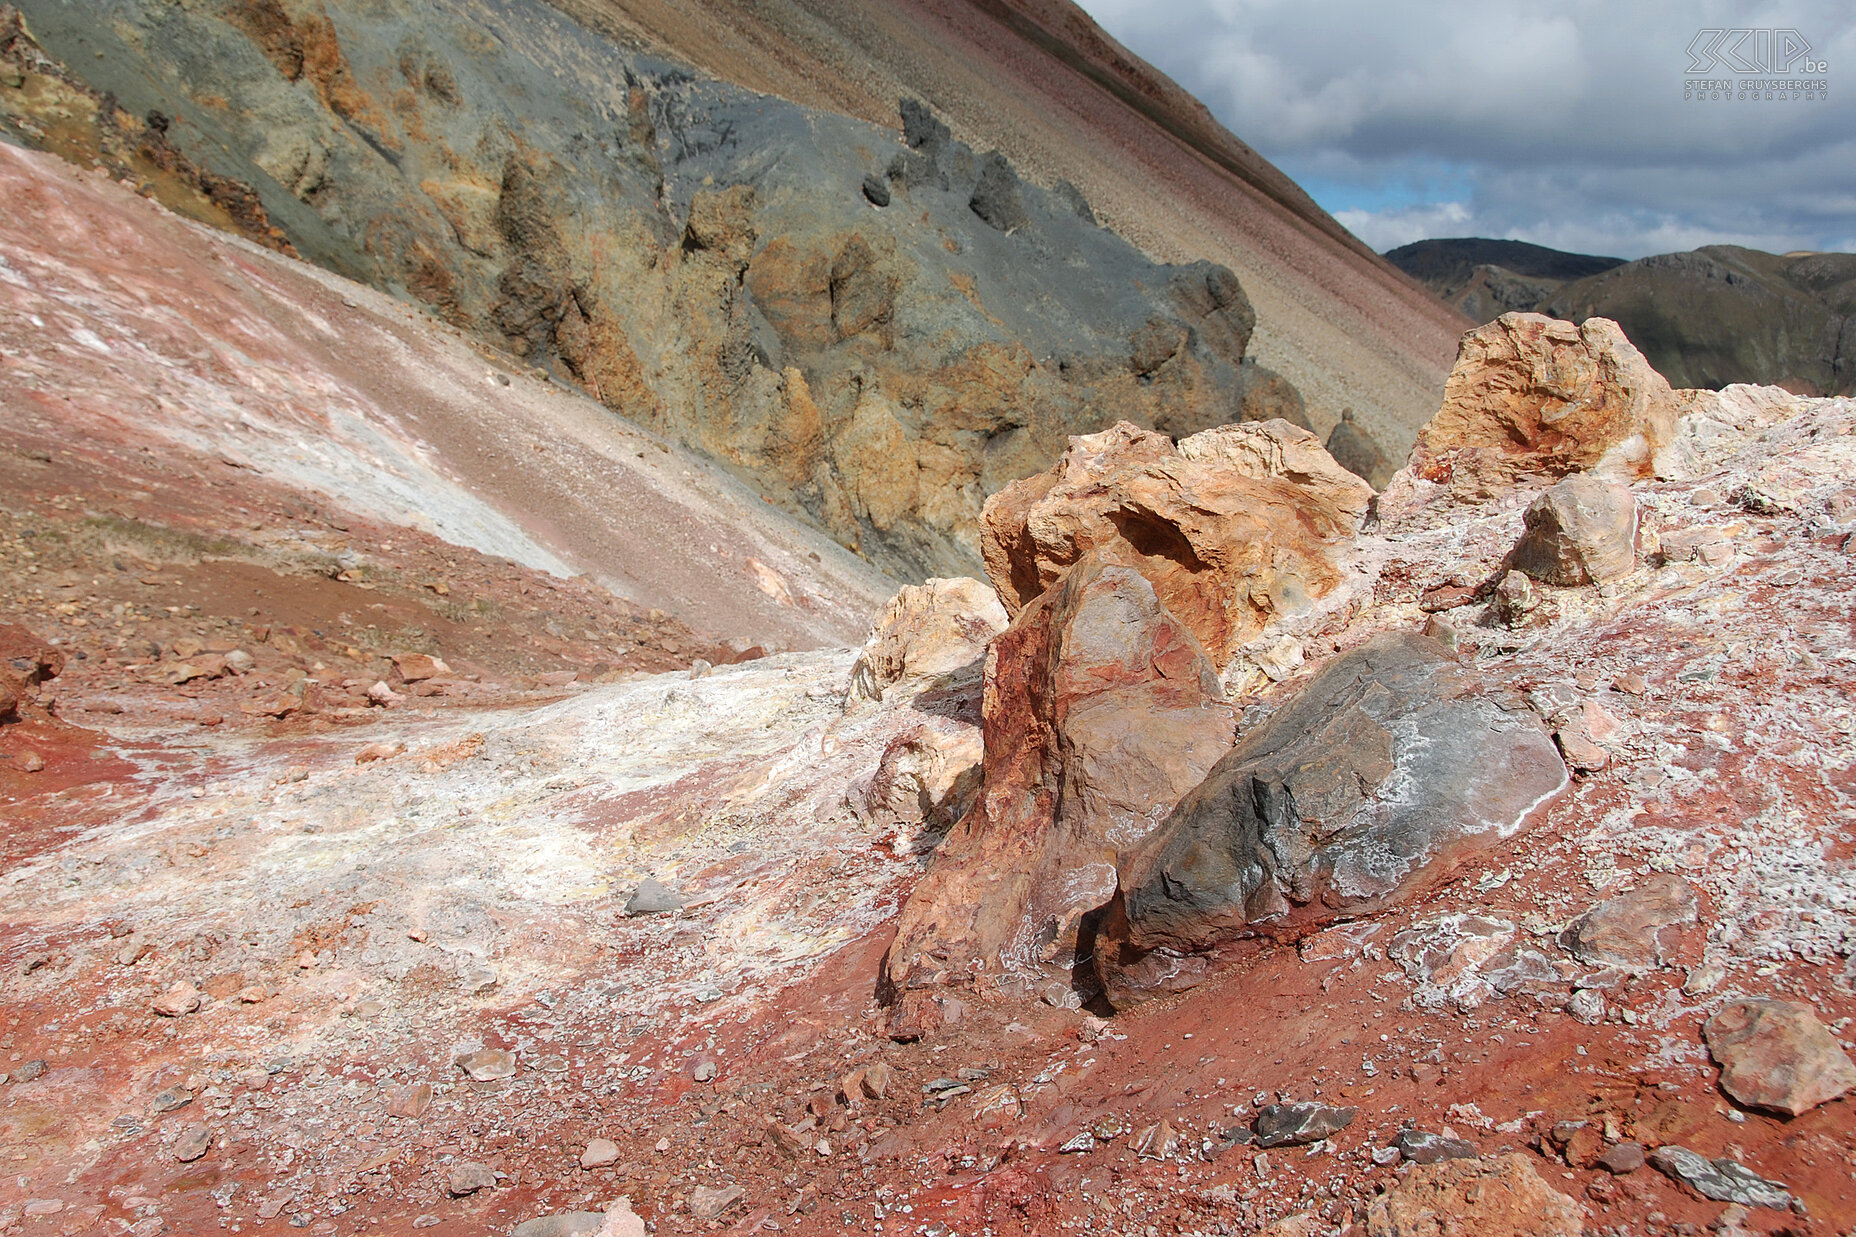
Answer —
1563 124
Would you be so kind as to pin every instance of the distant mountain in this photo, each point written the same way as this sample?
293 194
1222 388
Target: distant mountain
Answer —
1714 316
1487 278
1725 314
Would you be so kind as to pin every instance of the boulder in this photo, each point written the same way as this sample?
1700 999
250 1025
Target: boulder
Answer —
1581 531
1100 710
29 657
1390 765
1776 1055
1264 395
1276 448
1628 931
928 631
1358 451
25 662
1224 550
1535 396
1498 1197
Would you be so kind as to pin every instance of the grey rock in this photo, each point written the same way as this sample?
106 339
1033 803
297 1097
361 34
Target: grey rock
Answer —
1381 774
1580 531
1356 450
469 1177
876 191
1723 1180
561 1224
996 196
1622 1158
170 1099
1279 1125
30 1070
1424 1147
653 897
708 1202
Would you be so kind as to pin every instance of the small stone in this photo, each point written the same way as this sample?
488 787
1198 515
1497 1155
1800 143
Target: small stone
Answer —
182 998
600 1153
32 762
269 1208
704 1071
32 1069
877 1077
34 962
169 1100
1514 599
1776 1055
1580 531
1424 1147
1282 659
1588 1006
621 1221
382 696
1300 1122
1077 1144
488 1064
192 1143
1723 1180
875 191
469 1177
378 751
417 667
1441 630
653 897
1580 751
1621 1158
708 1202
1630 683
699 669
409 1101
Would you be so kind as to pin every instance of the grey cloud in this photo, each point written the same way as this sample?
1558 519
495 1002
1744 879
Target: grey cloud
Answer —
1564 124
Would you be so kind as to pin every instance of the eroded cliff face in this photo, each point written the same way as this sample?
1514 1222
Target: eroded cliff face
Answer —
877 326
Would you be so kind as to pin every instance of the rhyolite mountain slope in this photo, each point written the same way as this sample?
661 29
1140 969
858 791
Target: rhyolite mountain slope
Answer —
1717 315
875 322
